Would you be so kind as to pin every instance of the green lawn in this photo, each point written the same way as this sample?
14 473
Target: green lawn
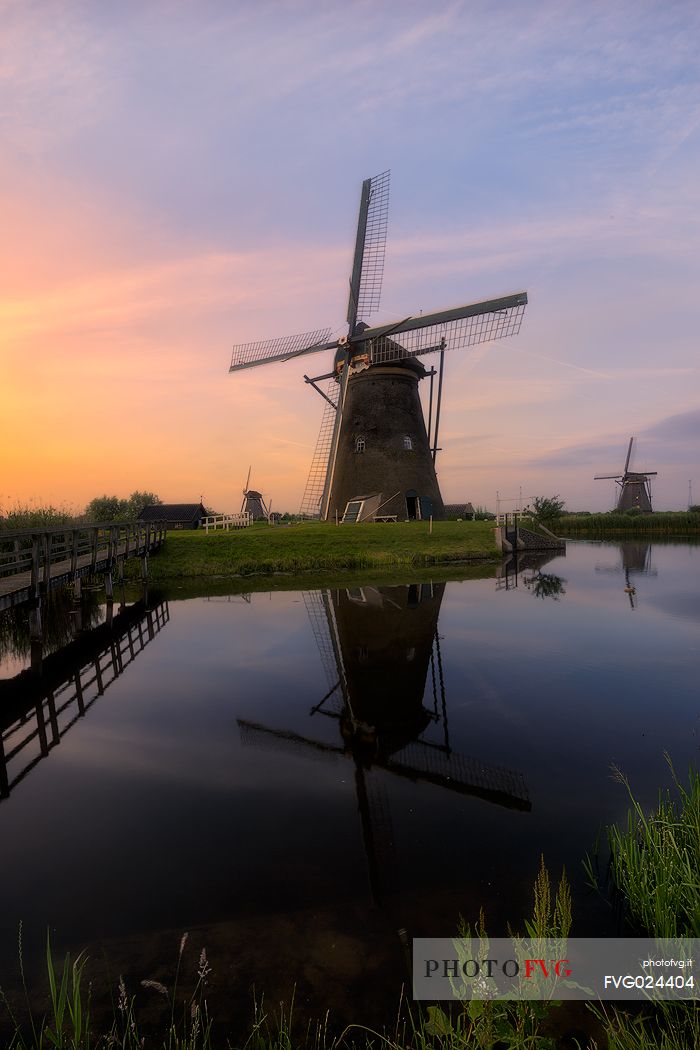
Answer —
263 549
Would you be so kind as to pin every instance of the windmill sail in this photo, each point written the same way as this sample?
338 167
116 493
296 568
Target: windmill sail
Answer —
370 248
446 330
265 351
316 481
322 624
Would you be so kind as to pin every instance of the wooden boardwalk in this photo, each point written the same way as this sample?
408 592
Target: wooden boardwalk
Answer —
34 561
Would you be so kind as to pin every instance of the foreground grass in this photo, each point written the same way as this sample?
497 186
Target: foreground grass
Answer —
655 861
312 546
655 872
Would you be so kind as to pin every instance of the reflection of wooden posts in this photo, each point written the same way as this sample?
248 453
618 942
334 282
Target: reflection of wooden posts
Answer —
79 693
41 728
49 701
36 648
51 704
36 636
4 783
98 676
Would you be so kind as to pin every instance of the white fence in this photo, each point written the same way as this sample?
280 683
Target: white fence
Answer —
512 517
227 521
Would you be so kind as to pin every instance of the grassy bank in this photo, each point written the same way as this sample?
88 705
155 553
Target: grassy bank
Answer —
620 526
297 549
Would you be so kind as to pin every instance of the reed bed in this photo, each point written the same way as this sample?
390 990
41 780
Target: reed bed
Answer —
617 526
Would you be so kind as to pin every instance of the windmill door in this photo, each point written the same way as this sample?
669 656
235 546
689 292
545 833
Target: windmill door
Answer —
426 507
412 505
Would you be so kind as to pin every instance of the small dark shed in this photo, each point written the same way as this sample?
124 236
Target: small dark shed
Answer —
465 511
175 515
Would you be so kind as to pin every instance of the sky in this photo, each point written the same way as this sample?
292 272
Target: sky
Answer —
178 177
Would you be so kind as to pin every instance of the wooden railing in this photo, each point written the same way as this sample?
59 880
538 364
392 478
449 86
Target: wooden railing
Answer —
35 559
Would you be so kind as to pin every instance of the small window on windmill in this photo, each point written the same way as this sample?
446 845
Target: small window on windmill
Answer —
353 510
359 444
407 443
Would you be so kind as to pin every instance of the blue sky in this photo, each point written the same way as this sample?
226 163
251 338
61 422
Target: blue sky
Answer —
177 177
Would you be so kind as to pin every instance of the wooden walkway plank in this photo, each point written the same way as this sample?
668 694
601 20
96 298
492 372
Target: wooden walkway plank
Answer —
94 550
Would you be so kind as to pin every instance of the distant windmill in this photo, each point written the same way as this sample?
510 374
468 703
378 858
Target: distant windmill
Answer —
635 488
374 454
253 502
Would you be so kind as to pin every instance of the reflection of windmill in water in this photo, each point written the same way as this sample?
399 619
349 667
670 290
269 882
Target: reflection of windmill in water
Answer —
253 502
378 646
635 487
374 455
635 560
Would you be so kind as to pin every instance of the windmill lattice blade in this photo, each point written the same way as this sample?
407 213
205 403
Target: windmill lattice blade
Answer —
448 330
461 773
370 290
317 609
315 483
265 351
255 735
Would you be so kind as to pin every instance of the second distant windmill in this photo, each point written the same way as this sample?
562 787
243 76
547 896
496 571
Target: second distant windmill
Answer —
635 487
253 502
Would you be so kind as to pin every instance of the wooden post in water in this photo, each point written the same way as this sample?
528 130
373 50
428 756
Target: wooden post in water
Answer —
36 547
47 560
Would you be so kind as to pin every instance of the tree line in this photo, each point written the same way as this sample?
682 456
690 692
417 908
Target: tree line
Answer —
99 509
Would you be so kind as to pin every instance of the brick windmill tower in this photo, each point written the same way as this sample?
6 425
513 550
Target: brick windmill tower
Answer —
635 488
375 456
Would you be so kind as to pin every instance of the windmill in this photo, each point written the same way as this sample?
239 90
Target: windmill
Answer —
374 455
253 502
635 488
377 645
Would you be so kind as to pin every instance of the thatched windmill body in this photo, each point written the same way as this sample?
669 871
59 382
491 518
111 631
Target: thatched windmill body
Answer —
635 487
375 456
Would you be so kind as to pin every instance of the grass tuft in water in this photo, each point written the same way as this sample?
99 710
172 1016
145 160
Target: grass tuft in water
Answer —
655 860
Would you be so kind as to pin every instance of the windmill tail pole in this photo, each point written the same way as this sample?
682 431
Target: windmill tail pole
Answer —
439 401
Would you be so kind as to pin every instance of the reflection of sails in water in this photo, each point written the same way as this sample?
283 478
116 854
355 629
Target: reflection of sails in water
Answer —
377 646
36 711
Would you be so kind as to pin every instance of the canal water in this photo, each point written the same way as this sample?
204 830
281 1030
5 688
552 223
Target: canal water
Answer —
293 778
